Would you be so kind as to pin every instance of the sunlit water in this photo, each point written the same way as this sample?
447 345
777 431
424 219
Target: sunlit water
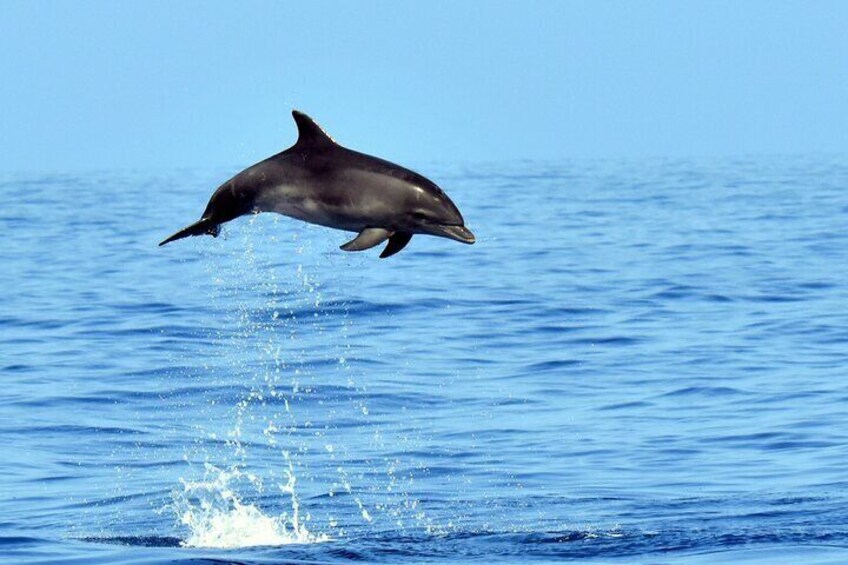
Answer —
637 362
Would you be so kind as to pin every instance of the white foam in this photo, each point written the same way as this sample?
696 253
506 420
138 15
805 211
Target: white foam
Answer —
217 517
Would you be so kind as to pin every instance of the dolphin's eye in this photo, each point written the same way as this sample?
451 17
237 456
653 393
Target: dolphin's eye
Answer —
419 216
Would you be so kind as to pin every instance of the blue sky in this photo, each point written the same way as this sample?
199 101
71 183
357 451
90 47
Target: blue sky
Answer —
117 85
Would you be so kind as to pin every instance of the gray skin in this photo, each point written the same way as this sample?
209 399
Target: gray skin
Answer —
320 182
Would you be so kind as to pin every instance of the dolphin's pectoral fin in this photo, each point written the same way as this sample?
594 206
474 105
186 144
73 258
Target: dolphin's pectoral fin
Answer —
397 242
367 238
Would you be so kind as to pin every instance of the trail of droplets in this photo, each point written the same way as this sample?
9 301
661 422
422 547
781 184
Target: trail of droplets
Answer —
269 356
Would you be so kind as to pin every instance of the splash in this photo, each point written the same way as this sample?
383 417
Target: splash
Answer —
286 349
217 516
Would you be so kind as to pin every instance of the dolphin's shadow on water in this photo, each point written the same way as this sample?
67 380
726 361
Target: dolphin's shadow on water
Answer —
701 545
137 541
320 182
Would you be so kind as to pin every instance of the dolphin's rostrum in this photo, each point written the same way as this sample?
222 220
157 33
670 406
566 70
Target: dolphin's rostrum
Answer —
319 181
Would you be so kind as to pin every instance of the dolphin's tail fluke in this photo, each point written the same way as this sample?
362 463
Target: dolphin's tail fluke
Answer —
201 227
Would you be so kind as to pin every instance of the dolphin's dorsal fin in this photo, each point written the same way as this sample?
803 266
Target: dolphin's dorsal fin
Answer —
310 134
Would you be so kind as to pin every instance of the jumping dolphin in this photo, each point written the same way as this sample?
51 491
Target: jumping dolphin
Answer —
319 181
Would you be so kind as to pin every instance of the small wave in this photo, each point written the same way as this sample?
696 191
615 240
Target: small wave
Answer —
709 391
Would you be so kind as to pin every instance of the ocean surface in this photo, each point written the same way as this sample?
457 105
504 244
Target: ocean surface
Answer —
638 362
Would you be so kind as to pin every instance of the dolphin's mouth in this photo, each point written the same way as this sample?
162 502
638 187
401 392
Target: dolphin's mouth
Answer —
457 233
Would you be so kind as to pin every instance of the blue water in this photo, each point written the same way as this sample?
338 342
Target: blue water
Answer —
637 362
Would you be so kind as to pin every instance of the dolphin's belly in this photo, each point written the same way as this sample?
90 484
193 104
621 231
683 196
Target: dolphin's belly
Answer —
337 211
350 208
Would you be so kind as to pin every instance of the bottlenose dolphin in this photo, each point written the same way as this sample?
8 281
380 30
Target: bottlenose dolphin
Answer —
319 181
